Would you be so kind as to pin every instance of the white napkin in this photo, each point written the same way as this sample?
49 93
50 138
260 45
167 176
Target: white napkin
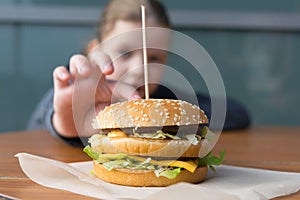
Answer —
228 183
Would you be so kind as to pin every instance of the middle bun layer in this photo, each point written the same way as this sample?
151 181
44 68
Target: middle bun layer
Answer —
146 147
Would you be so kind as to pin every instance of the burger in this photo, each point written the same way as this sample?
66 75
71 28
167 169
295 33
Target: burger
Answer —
151 142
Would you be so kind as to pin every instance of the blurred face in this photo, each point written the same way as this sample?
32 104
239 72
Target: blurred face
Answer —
124 45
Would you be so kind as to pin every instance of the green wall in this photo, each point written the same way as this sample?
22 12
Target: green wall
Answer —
259 68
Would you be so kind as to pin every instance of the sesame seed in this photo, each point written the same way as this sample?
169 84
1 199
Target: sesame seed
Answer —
195 107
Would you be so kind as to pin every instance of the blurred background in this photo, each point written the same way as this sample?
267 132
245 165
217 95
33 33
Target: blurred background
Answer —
255 44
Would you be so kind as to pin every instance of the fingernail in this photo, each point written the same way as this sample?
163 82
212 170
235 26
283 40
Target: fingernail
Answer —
135 96
105 67
83 69
62 76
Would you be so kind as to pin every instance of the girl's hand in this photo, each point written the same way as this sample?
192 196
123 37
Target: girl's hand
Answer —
81 93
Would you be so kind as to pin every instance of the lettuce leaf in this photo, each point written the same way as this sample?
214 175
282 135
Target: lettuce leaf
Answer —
114 164
211 160
157 135
102 158
88 150
170 173
207 134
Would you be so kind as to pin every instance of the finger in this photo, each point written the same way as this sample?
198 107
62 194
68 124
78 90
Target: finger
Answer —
79 64
103 92
61 77
103 61
123 91
135 95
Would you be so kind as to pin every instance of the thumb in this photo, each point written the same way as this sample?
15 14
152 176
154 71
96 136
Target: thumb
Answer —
61 78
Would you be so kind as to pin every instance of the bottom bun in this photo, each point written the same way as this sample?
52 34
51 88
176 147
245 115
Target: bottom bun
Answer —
140 178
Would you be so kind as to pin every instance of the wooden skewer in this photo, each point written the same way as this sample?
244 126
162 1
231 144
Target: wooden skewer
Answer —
145 52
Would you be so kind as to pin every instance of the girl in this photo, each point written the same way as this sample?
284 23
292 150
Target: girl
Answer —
55 111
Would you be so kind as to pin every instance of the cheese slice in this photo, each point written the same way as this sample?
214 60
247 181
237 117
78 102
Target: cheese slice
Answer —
116 133
190 165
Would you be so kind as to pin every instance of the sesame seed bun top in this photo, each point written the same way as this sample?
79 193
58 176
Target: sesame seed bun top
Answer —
149 113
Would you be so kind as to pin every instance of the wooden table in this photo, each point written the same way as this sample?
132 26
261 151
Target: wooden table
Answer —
275 148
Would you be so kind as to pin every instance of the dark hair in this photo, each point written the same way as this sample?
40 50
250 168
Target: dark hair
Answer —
130 10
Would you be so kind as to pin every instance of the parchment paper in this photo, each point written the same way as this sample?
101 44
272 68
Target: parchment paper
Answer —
228 183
